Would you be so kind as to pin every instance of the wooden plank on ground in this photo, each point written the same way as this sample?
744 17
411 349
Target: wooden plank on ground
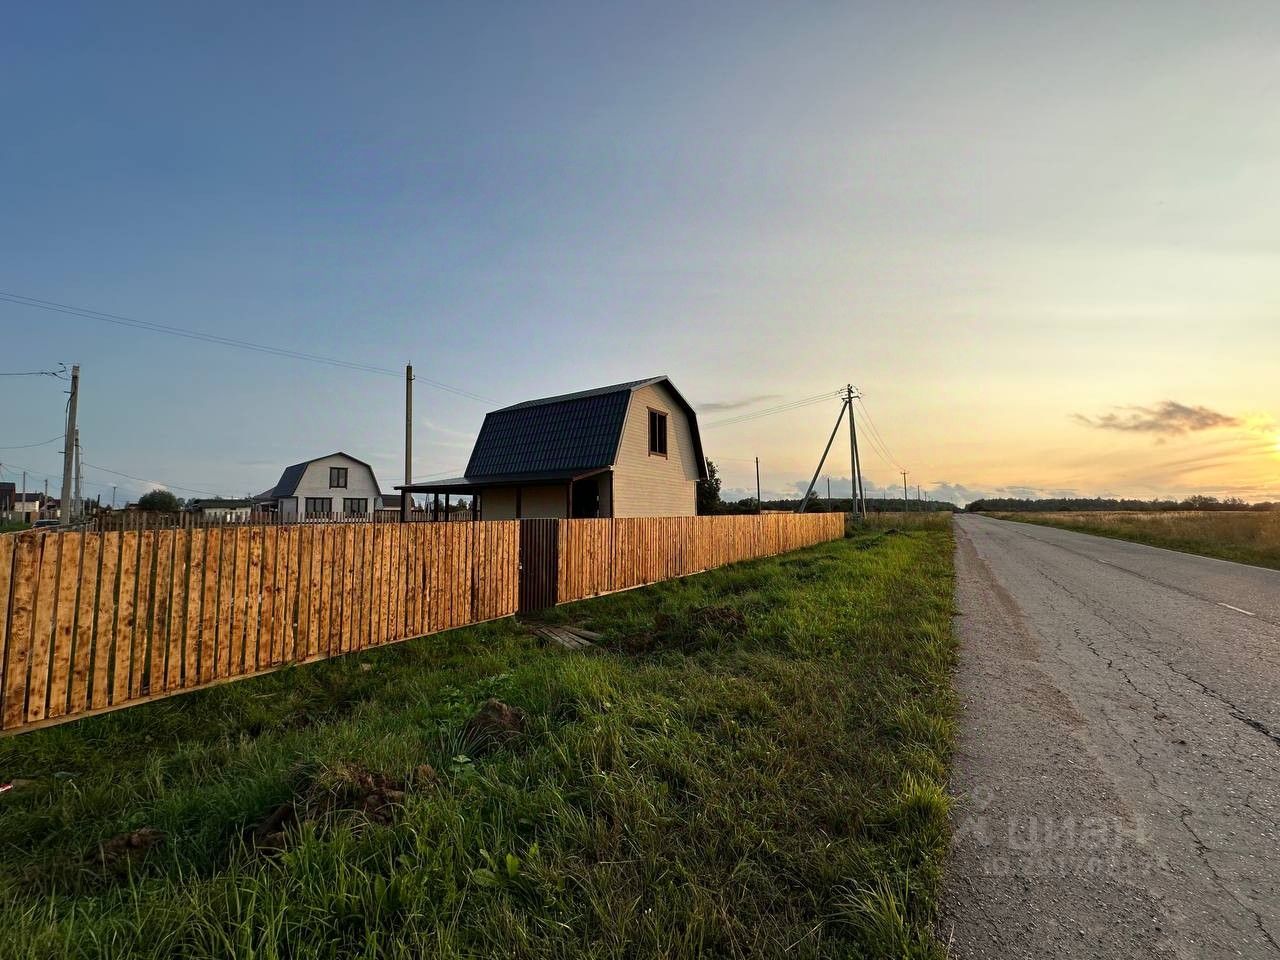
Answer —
25 584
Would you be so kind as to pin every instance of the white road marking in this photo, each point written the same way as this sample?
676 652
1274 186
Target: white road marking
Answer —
1236 609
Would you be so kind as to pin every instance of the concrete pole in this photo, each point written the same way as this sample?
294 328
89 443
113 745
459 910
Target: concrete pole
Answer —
79 504
68 448
758 507
24 494
406 497
855 462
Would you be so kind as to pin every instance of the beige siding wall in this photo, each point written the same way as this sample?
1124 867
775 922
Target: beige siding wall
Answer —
542 502
499 503
651 486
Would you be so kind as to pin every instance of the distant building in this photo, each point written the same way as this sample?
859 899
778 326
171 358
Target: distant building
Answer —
337 485
33 506
8 494
217 508
626 450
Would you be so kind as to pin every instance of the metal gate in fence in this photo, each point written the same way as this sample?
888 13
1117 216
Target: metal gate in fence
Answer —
539 564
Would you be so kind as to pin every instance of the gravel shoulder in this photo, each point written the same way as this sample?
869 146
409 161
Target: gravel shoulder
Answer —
1117 773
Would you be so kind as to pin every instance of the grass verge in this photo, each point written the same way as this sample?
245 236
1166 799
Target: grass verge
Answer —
1245 537
753 765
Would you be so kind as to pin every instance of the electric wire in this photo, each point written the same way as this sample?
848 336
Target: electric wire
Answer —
772 411
154 327
42 443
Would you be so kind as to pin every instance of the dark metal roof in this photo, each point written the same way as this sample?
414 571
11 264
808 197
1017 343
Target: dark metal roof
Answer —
570 433
287 485
499 480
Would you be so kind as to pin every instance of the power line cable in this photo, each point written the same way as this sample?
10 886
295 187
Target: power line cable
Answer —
159 483
119 320
42 443
771 411
876 432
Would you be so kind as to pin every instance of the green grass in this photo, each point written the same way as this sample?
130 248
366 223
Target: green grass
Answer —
1245 537
753 767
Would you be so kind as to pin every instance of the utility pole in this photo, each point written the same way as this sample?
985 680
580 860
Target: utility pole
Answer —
759 508
113 496
68 447
918 499
830 440
24 494
828 494
79 504
859 494
905 503
406 496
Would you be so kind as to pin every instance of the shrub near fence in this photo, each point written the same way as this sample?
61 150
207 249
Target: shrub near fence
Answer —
97 621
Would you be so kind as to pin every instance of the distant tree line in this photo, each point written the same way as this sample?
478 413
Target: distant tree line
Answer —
1055 504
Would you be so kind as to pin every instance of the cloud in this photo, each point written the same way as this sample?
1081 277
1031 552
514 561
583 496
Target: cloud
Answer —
725 406
1168 418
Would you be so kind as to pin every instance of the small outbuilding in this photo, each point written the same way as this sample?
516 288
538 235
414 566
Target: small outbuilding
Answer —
626 450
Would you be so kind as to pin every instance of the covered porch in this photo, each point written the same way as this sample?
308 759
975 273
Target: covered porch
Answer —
560 494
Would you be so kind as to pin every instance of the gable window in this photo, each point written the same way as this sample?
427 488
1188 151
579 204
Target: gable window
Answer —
657 433
318 505
338 477
355 506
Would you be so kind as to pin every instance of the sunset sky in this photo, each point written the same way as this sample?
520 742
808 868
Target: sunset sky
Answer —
1045 244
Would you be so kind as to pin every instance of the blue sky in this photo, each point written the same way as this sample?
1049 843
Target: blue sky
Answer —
991 219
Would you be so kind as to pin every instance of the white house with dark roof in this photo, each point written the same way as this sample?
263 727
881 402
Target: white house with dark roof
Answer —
626 450
338 485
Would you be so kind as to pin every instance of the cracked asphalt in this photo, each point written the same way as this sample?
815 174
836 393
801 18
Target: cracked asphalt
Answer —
1117 772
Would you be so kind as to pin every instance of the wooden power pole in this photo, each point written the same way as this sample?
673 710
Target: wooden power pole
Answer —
759 508
906 504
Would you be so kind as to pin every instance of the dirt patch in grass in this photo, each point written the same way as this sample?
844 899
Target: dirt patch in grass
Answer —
122 852
686 630
346 794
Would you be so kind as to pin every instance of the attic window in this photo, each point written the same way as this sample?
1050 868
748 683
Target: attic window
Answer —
338 477
657 433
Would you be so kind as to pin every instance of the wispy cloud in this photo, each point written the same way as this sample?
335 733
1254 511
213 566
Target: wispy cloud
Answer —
1166 418
724 406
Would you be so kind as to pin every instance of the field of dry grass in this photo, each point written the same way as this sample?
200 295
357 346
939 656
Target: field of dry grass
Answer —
1243 536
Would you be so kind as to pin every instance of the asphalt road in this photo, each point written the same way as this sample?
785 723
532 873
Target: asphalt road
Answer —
1118 763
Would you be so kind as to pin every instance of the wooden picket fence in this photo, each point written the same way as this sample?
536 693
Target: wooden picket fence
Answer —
603 556
96 621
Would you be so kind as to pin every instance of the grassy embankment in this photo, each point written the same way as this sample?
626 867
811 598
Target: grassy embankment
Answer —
1245 537
754 765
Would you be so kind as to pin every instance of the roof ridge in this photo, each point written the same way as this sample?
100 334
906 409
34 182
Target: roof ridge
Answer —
626 385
